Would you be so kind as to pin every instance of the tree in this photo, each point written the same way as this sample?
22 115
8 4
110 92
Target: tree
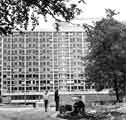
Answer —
15 14
106 66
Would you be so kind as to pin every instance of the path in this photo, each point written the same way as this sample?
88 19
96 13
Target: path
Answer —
27 114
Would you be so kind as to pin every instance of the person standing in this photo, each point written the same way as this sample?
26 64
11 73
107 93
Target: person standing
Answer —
46 100
57 99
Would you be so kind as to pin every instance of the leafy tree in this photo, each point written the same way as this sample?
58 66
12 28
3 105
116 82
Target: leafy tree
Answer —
15 14
106 60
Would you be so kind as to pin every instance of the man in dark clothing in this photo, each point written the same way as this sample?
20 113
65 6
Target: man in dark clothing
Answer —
57 99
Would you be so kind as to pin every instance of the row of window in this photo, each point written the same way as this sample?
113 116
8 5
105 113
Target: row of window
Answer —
38 39
29 88
56 57
39 33
32 82
26 58
43 46
45 63
43 52
51 75
45 87
72 76
47 69
36 89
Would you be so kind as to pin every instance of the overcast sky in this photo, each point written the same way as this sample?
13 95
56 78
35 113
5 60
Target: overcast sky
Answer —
96 8
93 9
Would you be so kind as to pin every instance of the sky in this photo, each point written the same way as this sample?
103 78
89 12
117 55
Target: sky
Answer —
96 8
92 10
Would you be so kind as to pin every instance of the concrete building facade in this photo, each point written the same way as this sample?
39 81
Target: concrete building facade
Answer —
33 62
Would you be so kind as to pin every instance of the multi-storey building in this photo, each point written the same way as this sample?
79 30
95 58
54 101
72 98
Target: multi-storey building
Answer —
33 62
0 66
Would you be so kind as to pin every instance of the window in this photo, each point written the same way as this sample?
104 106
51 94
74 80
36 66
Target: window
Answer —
8 46
15 76
5 40
5 57
21 58
5 51
20 69
37 82
75 81
28 58
27 40
5 45
35 57
28 51
48 81
4 76
21 88
8 52
21 40
48 75
35 63
21 51
44 51
42 76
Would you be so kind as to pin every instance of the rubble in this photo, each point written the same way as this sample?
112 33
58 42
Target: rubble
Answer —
101 112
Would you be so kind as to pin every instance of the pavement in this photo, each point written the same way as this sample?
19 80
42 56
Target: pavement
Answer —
28 114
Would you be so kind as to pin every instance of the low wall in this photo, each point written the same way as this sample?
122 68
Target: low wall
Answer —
87 99
66 97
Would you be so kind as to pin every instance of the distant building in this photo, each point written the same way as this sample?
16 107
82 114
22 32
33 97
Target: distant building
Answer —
33 62
0 66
